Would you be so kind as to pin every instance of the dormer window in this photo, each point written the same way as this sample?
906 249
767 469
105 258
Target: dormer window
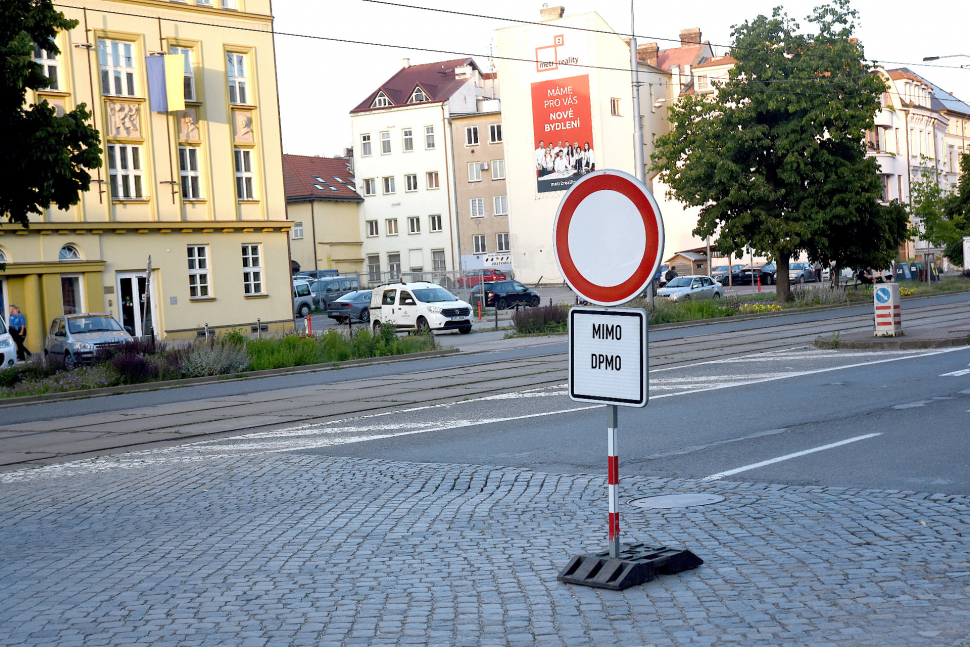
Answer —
381 101
418 96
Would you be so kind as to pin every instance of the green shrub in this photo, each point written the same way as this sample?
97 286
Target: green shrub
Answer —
542 319
803 297
211 357
282 352
667 312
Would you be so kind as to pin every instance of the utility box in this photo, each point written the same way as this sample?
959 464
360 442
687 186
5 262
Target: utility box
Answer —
889 319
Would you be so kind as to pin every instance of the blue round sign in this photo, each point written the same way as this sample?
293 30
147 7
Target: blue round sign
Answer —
882 295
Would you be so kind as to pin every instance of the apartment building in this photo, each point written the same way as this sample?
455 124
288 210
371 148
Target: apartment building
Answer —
191 199
482 207
567 109
323 203
404 160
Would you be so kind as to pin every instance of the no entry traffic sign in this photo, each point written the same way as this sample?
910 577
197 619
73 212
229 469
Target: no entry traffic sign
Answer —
609 237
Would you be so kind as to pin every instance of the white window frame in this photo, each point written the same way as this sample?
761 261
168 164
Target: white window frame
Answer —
439 263
116 58
471 135
432 180
189 175
125 172
477 207
702 82
390 226
199 268
480 244
385 143
68 253
228 4
381 101
418 96
429 138
414 225
374 268
49 64
493 130
495 165
407 135
236 66
365 145
252 254
297 231
394 269
372 230
502 243
501 205
474 172
615 107
435 224
370 186
244 167
189 82
410 183
387 184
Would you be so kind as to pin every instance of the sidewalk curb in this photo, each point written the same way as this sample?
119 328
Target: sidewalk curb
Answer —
889 343
237 377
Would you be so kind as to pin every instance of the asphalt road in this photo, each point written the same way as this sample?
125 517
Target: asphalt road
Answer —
904 418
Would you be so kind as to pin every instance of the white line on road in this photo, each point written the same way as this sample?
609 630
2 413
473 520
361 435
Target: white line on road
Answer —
965 371
770 461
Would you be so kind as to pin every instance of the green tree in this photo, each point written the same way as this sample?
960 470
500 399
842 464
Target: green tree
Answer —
944 218
777 159
43 157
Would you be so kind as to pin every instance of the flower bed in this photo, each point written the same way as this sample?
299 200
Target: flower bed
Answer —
142 361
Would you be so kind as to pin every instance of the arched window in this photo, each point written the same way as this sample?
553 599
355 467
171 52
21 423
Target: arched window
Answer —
3 256
69 253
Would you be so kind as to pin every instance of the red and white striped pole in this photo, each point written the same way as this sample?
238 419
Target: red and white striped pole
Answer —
613 479
309 326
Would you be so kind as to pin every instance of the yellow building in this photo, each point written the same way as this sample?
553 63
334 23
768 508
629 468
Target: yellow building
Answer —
323 203
199 190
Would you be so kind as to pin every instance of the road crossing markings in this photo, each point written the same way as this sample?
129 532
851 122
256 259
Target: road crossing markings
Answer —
965 371
771 461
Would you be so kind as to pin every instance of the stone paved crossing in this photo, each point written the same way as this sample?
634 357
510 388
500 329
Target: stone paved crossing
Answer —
189 547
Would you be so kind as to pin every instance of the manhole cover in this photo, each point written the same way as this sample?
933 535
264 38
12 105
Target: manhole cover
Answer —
668 501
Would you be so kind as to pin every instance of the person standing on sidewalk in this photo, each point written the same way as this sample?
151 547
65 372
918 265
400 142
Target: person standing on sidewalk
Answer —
18 330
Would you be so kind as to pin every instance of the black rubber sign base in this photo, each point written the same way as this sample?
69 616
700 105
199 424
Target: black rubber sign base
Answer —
637 563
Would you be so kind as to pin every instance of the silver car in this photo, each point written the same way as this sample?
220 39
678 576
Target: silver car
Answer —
690 288
800 272
76 339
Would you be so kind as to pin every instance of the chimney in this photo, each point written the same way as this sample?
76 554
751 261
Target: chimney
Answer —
551 13
689 37
648 53
407 62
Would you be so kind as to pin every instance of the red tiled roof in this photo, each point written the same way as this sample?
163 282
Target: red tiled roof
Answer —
306 177
436 79
897 75
680 56
717 60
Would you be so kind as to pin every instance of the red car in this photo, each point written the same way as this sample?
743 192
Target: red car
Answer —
471 279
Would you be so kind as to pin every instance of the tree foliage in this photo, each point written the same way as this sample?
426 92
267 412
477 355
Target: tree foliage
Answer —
44 158
944 218
776 160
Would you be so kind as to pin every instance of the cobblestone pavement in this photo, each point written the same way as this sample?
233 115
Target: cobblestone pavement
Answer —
185 546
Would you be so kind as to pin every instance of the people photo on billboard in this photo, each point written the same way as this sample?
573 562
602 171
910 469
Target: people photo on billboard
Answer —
563 131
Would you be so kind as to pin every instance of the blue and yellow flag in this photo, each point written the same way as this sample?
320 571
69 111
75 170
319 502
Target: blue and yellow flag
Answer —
166 82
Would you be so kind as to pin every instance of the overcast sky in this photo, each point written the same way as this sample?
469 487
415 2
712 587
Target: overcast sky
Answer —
321 81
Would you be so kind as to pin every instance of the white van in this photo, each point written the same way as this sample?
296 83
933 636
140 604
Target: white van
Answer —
8 349
419 306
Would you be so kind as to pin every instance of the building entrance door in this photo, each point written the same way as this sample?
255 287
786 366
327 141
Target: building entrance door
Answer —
135 304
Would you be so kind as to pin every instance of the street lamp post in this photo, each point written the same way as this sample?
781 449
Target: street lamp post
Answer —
936 58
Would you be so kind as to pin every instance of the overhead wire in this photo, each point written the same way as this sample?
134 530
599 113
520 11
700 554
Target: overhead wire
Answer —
348 41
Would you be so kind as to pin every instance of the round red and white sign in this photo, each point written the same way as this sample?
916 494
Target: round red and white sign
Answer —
609 237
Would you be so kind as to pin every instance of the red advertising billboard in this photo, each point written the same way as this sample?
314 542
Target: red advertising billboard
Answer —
563 130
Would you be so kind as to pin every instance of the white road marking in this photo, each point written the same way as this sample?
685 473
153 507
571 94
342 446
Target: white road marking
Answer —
965 371
771 461
912 405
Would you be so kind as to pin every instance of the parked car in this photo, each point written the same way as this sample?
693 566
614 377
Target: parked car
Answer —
316 274
8 349
749 276
769 274
302 298
488 275
352 306
659 278
76 339
690 288
329 289
419 306
720 274
504 294
800 273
